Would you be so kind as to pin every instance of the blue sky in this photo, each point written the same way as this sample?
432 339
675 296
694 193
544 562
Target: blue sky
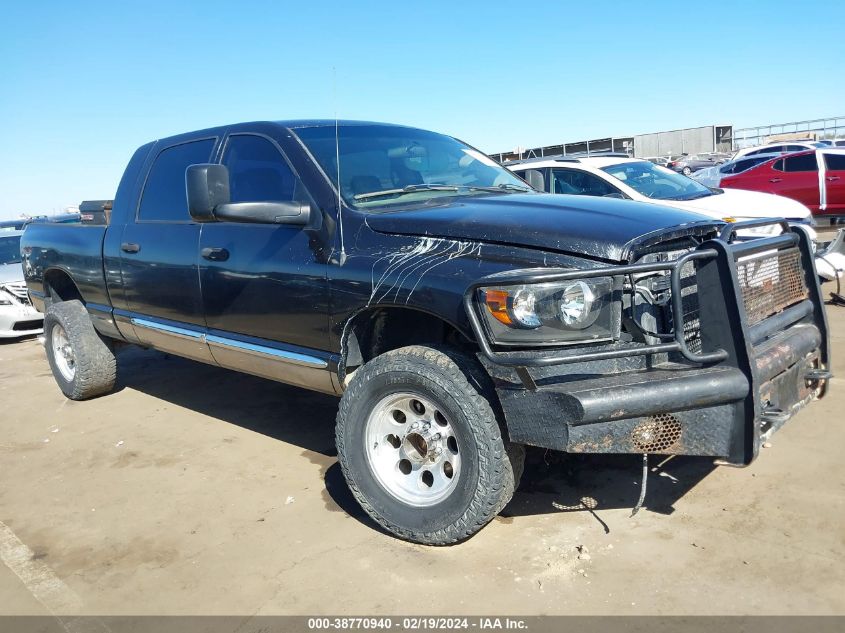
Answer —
85 83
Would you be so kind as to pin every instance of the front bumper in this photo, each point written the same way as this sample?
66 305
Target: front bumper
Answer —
722 401
19 320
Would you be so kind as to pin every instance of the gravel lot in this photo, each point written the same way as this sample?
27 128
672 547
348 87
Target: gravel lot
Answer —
198 490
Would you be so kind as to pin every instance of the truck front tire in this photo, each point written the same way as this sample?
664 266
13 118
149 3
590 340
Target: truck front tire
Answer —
82 363
421 447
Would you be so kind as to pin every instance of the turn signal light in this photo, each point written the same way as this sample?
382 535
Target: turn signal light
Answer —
497 304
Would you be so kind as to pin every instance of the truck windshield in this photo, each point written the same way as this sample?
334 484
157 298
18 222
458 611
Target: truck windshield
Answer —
10 249
384 165
657 182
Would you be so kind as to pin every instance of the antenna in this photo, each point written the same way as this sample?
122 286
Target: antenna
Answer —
337 161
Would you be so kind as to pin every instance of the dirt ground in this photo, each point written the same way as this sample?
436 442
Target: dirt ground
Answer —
198 490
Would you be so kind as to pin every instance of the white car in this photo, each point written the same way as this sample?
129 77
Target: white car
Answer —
778 148
17 316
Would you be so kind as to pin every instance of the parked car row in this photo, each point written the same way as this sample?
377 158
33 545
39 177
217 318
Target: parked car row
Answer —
689 163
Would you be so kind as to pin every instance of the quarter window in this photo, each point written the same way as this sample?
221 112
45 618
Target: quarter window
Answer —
164 198
257 171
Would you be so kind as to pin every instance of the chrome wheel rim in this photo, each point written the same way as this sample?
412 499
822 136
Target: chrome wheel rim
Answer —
412 449
63 353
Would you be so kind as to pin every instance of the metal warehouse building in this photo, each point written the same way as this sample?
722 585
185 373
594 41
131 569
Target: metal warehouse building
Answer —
694 140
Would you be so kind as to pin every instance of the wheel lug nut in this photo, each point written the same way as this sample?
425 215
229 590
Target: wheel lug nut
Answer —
436 436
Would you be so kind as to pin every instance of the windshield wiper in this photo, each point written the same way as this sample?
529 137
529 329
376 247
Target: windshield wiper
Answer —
503 187
409 189
696 196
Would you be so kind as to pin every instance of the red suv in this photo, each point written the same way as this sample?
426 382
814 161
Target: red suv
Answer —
815 178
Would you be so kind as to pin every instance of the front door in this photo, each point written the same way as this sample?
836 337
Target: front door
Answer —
264 289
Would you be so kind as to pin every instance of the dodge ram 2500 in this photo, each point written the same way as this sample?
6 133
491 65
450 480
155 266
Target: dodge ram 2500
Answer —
459 314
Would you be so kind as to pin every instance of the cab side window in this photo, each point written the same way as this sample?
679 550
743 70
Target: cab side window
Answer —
164 198
258 172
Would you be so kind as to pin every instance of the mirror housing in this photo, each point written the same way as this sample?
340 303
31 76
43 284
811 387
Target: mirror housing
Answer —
207 186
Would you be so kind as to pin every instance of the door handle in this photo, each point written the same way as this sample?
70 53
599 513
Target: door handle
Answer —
775 179
831 178
215 254
129 247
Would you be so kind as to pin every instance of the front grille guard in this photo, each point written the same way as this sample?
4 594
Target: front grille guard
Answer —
618 350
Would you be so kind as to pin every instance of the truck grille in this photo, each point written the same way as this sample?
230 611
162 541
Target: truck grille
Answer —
771 283
18 288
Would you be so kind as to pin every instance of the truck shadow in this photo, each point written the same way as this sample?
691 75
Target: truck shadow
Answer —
560 482
552 482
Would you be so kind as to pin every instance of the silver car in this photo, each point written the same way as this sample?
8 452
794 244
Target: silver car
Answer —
17 316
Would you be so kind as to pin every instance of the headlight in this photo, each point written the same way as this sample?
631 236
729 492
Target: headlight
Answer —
558 313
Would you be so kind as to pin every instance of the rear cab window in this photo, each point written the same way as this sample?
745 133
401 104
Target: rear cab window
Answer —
164 198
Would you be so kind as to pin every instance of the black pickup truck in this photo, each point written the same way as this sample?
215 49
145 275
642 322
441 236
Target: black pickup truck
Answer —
458 313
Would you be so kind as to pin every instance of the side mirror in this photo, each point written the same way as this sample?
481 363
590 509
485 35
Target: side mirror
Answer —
534 177
207 186
614 194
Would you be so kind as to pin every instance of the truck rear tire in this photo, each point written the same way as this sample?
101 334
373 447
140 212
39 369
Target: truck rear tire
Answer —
82 363
421 447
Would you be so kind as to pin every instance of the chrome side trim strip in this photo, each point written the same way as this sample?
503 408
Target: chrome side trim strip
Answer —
169 329
264 352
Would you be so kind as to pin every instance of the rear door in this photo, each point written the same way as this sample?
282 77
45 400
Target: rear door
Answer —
264 288
159 252
797 177
834 182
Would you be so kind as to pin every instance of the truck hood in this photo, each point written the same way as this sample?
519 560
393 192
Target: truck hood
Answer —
599 228
10 273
